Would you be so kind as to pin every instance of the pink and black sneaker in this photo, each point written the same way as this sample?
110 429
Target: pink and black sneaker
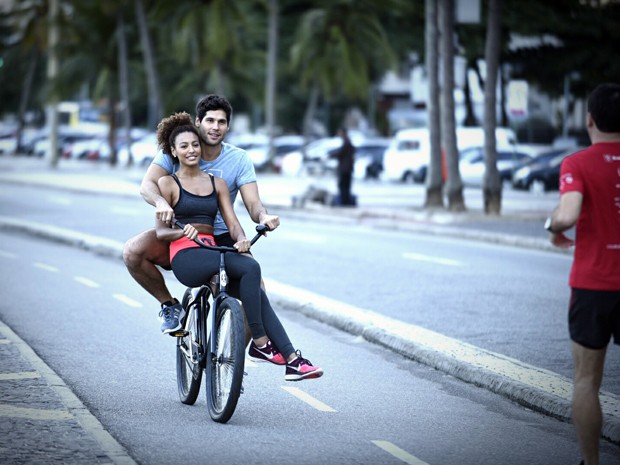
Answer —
301 368
266 354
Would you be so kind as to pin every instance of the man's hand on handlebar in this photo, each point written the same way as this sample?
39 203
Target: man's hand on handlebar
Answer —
271 221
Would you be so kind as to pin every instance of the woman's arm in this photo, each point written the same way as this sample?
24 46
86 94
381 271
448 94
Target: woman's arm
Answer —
166 231
229 216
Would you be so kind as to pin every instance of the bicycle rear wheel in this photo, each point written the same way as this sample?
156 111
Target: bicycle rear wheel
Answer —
189 369
225 367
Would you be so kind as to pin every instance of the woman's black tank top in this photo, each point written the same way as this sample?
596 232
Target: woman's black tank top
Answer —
192 208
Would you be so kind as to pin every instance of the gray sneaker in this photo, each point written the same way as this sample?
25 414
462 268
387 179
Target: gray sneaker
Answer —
171 318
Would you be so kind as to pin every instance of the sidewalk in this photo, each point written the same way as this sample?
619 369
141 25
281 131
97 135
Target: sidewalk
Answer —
41 420
385 206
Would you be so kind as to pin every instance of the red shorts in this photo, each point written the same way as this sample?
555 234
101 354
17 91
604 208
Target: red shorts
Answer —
186 243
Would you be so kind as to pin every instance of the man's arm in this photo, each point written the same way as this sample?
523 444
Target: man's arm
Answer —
564 217
255 207
566 214
149 190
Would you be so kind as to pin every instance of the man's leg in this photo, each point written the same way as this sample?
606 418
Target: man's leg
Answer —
587 415
141 255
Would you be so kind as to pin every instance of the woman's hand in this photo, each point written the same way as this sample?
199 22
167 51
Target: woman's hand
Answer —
242 246
190 232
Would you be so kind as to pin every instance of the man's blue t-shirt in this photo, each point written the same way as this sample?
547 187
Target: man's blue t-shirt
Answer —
232 165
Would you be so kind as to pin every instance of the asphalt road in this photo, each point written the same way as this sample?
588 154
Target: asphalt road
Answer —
92 325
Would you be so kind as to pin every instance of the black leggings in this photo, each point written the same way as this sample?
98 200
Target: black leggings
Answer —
194 267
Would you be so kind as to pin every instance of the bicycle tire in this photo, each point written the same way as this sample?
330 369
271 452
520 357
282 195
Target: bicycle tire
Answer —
225 368
189 370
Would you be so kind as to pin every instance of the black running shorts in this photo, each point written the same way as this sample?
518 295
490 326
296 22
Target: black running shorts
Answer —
594 317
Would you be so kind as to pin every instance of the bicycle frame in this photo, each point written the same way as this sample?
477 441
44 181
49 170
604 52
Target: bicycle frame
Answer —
193 353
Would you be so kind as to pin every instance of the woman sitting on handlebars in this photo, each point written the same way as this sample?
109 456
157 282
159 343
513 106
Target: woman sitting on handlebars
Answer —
195 197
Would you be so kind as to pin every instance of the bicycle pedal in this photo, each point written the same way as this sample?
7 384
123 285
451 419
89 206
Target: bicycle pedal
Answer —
179 333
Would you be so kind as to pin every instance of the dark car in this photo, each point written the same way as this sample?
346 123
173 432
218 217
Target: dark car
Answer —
541 174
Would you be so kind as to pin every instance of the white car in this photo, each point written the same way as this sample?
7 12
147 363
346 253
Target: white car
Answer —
142 151
408 155
472 168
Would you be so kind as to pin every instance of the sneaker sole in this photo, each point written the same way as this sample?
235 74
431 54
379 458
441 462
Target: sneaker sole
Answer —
262 360
311 375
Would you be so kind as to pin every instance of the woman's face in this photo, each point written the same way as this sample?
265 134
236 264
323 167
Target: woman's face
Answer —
187 148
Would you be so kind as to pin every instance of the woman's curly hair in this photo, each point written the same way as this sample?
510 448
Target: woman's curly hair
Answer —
168 128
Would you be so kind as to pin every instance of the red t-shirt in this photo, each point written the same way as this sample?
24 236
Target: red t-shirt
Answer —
595 172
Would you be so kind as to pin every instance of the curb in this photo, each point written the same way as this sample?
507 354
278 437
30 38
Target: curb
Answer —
527 385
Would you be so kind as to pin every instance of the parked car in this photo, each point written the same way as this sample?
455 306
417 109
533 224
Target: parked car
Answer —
142 151
408 155
541 174
65 139
259 153
369 158
471 164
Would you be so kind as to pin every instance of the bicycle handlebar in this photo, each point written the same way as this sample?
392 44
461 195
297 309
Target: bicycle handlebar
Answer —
261 230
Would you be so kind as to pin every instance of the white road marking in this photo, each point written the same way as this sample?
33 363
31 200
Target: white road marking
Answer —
398 453
308 399
428 258
127 301
20 375
6 254
11 411
46 267
87 282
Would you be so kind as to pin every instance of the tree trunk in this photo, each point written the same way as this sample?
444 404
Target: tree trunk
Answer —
454 186
270 91
491 183
155 107
310 112
52 74
470 116
125 110
25 97
434 179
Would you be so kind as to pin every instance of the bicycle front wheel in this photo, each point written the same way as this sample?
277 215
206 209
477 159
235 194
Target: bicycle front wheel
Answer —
189 370
225 366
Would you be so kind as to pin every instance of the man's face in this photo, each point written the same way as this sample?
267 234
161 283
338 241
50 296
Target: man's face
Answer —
213 127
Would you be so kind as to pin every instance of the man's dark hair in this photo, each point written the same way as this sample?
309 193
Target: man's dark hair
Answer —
213 102
604 107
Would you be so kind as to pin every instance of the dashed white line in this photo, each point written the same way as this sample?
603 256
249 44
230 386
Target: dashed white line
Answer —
398 453
6 254
127 301
87 282
11 411
46 267
20 375
429 259
308 399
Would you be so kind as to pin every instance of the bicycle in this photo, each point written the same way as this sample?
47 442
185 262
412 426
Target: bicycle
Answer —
212 340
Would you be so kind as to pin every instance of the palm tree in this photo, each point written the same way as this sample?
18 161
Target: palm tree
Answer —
491 184
434 181
339 49
155 106
454 186
220 46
